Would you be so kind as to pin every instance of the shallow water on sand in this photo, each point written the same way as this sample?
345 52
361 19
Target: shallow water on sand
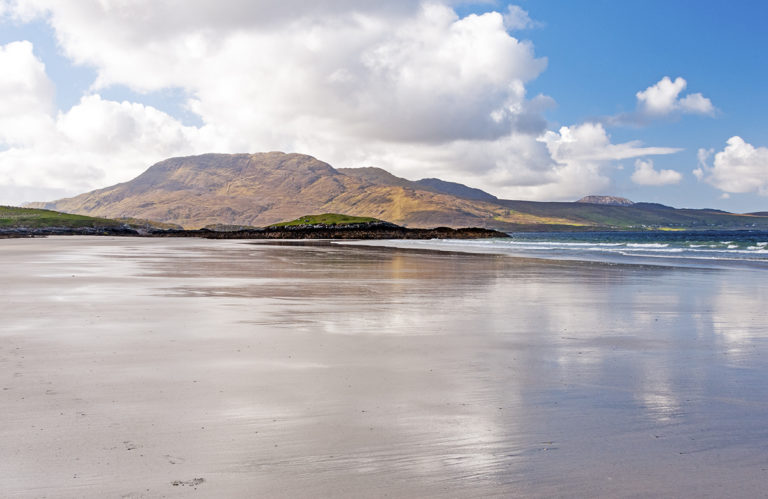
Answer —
163 367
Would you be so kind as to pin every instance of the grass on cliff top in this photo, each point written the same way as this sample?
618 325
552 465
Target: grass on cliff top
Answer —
327 219
11 216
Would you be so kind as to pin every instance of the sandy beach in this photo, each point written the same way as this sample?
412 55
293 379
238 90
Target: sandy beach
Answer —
174 368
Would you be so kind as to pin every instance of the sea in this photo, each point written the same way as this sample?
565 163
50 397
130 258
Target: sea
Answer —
707 249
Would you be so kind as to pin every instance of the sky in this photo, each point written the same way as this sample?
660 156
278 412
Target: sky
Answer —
549 100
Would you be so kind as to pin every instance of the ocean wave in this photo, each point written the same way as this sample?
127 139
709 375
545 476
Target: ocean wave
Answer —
563 244
641 251
647 245
613 248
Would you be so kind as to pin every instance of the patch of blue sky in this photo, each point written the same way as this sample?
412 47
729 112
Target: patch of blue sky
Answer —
172 101
70 80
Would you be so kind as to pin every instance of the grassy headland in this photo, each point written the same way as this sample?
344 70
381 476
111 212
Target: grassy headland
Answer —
11 217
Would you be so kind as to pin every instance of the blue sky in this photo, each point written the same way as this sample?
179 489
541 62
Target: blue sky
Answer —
536 99
601 52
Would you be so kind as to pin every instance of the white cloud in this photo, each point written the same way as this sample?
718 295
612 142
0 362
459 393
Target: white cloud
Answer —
95 143
403 72
517 18
738 168
108 127
590 142
585 156
663 99
404 85
645 174
27 94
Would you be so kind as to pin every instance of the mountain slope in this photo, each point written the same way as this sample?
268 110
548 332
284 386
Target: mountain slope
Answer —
455 189
378 176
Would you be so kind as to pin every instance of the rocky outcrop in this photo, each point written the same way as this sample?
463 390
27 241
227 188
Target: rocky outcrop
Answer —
606 200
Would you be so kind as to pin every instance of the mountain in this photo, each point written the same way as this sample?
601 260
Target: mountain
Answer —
265 188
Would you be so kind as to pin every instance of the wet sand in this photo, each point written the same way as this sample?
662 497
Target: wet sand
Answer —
162 368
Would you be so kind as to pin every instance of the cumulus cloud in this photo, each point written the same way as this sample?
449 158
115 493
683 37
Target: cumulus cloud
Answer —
645 174
27 94
663 100
739 168
363 69
96 143
404 85
585 154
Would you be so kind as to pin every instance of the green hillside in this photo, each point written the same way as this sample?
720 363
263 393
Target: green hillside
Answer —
11 216
326 219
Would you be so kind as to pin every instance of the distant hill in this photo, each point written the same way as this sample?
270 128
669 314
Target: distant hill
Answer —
265 188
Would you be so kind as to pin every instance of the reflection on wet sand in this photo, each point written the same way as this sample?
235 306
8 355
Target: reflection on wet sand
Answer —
138 367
